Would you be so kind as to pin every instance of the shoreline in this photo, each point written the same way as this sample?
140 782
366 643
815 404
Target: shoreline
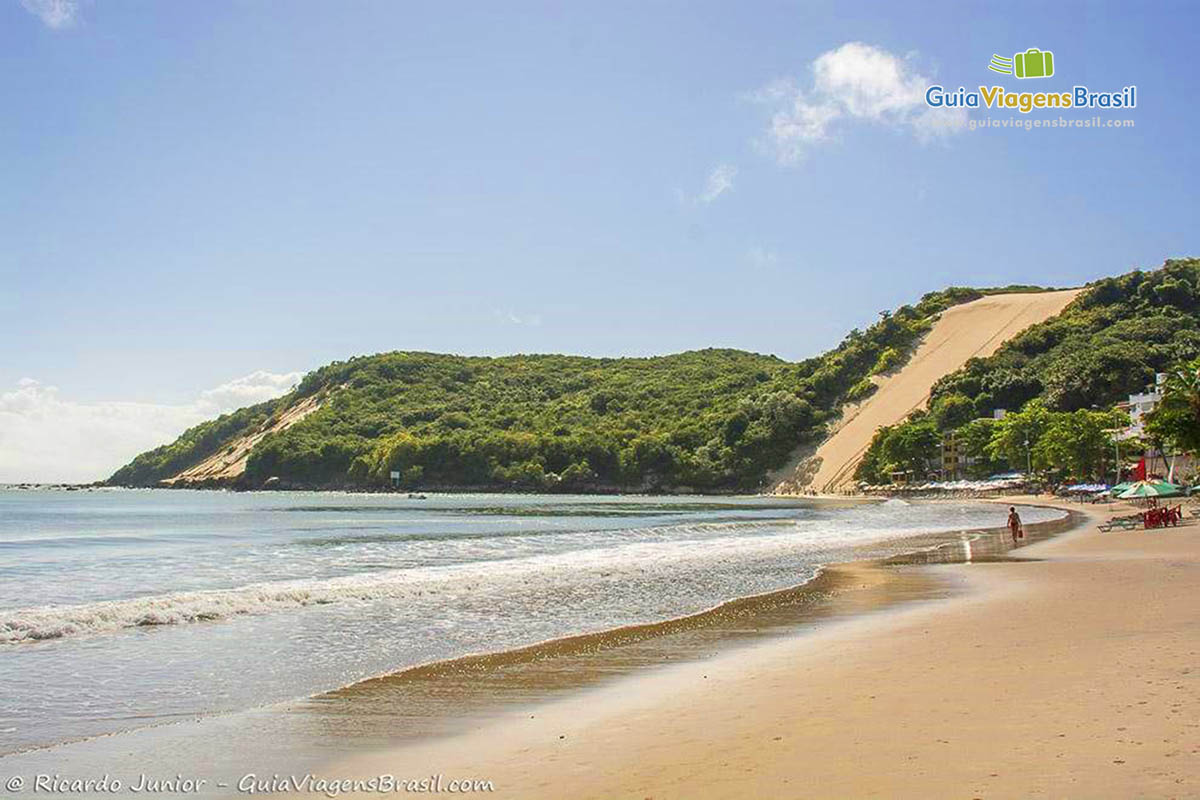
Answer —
615 491
452 695
579 662
927 551
661 733
510 708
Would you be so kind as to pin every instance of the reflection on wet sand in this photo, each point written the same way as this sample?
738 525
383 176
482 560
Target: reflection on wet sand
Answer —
455 695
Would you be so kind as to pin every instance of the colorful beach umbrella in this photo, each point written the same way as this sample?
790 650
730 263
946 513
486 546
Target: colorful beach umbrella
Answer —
1148 489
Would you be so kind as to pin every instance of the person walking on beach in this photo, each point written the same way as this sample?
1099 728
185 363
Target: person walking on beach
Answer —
1014 524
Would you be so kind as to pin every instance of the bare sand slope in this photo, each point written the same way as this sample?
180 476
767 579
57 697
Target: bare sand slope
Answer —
230 461
1076 675
963 332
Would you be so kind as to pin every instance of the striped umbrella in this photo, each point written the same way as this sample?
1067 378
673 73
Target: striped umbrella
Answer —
1148 489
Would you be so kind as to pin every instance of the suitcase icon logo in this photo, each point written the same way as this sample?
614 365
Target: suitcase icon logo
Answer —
1033 63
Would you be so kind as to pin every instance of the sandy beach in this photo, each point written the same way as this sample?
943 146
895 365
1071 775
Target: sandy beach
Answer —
647 401
1068 672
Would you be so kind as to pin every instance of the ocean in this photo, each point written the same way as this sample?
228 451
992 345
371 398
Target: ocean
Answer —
123 609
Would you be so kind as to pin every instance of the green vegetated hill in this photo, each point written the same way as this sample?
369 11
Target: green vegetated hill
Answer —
1058 380
715 420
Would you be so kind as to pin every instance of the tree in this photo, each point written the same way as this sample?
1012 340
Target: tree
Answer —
1176 421
577 476
1076 443
888 360
908 448
1016 434
973 440
952 411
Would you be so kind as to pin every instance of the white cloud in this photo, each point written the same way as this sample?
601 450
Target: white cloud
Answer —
512 318
53 13
248 390
720 181
45 437
759 256
853 83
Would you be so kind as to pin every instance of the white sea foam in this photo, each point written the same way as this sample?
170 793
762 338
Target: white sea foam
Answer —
318 591
497 579
674 550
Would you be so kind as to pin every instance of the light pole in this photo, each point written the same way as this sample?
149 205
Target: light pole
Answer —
1116 433
1117 466
1028 461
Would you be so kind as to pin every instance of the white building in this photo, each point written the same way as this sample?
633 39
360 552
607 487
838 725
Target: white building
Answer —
1140 405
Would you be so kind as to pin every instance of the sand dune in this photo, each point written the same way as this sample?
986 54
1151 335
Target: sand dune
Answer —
230 461
963 332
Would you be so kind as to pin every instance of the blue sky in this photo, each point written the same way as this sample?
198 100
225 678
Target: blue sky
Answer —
193 194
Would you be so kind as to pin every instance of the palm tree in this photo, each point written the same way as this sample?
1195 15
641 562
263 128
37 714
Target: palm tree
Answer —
1184 382
1177 417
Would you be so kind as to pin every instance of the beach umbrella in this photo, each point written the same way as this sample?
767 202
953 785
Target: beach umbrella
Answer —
1148 489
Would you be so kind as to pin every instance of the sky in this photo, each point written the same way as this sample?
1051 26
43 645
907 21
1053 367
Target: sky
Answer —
201 201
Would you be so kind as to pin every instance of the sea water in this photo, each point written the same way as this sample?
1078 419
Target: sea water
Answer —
121 609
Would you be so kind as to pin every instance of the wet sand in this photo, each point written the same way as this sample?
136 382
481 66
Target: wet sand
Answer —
442 702
1070 672
464 693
